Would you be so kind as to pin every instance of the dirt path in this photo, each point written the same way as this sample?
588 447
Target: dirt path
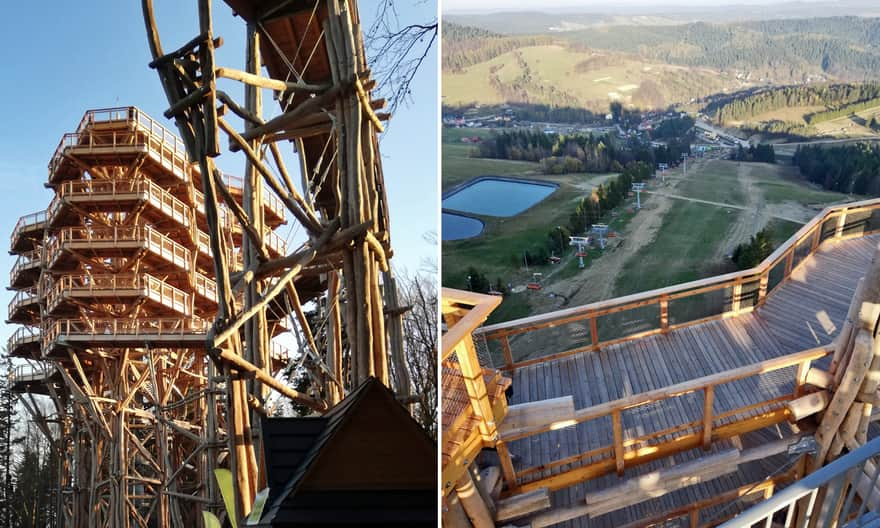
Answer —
596 281
725 205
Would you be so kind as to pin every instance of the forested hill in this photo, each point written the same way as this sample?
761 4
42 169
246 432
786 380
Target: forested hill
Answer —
838 98
465 46
845 48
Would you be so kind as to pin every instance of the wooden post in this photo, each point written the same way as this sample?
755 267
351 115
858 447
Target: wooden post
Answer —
473 504
708 400
507 466
594 332
664 313
618 441
736 296
476 387
453 515
817 236
789 261
694 518
801 379
841 223
762 288
508 355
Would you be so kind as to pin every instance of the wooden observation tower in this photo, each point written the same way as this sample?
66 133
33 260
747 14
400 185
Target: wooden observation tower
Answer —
152 286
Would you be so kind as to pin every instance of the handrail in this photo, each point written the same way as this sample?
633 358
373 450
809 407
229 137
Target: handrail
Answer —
24 260
159 139
163 200
153 239
702 427
145 283
162 326
21 297
30 372
757 277
827 476
27 220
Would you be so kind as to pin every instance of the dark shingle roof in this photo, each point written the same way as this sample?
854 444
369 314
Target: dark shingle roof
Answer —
294 445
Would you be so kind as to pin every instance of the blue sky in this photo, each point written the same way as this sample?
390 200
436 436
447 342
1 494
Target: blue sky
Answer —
62 60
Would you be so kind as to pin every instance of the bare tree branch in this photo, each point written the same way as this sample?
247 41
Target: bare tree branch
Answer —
398 50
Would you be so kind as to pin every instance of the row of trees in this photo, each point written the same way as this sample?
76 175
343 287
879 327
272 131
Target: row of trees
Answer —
834 96
751 253
763 153
28 467
848 169
828 115
559 154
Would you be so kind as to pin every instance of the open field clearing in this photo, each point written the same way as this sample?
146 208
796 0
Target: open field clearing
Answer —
686 230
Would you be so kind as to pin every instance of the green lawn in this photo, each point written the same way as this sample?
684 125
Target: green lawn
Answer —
784 191
716 182
458 167
688 237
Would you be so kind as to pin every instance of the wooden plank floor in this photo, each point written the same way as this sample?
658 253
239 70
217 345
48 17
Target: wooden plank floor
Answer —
804 312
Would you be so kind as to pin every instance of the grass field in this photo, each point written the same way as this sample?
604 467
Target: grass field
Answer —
719 183
672 258
459 167
683 240
550 75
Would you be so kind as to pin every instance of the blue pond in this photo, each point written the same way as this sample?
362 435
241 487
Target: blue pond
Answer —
497 197
457 227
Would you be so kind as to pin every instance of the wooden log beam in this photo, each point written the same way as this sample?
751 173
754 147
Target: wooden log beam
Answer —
639 456
557 412
472 501
808 405
294 203
664 481
523 504
819 378
268 83
244 365
843 397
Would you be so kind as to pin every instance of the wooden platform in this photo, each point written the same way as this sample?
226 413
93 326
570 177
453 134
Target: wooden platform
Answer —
804 312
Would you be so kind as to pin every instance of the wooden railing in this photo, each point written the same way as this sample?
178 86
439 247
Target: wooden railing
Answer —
659 311
22 334
470 426
697 431
168 149
30 221
22 298
147 327
116 285
159 198
29 372
28 259
151 239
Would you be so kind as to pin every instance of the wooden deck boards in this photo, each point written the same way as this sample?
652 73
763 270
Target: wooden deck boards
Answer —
804 312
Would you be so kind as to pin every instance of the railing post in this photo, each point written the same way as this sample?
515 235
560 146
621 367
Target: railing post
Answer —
618 441
594 332
762 287
507 466
472 374
664 313
841 222
508 356
708 400
801 379
736 296
789 261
